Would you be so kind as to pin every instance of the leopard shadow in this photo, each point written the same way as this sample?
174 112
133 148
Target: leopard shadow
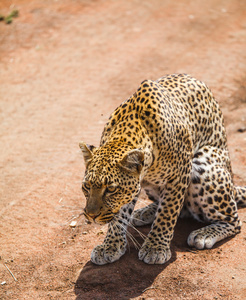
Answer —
129 277
123 279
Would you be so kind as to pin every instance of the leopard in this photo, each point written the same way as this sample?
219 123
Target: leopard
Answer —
169 140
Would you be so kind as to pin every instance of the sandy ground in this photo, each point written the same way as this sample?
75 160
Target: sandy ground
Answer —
64 67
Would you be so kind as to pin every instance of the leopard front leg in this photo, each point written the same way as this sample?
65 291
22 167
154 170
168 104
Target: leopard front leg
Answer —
113 247
156 247
115 242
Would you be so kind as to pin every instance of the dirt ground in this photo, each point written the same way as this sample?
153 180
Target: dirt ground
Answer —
64 67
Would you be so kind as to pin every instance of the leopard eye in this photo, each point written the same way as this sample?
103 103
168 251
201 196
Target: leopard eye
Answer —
86 186
111 189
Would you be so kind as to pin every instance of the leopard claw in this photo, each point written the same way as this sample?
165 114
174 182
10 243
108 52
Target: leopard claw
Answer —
102 255
152 255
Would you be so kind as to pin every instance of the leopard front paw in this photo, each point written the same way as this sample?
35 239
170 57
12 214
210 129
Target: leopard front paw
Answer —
151 254
144 216
103 254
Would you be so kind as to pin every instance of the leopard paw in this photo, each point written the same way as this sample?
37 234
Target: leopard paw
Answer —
103 254
200 240
154 255
206 237
144 216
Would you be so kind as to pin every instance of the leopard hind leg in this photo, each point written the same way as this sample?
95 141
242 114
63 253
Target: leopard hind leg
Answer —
211 198
240 196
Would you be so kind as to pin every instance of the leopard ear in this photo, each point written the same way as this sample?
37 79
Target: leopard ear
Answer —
133 161
87 151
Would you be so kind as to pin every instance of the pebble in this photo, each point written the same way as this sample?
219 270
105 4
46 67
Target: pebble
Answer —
73 224
242 129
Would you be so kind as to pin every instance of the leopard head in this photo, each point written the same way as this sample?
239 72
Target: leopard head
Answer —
112 179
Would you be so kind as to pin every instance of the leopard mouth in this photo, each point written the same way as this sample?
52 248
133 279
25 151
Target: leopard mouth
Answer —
105 219
101 218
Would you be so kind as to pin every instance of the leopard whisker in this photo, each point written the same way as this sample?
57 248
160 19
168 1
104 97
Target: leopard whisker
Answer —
138 219
117 228
132 238
73 217
72 208
125 225
142 235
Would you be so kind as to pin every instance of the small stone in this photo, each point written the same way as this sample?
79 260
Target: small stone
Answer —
100 232
242 129
73 224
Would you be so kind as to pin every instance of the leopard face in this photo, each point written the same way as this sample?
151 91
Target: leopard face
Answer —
112 179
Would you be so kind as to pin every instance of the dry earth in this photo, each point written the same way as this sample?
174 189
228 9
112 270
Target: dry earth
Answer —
64 67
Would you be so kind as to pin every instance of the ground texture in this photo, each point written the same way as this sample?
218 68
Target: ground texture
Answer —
64 67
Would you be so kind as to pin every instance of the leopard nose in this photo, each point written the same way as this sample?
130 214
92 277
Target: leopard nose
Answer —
92 214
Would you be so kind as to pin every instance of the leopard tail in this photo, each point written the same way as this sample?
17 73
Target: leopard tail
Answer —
240 195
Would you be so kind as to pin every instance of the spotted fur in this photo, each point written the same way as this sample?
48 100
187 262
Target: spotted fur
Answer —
169 139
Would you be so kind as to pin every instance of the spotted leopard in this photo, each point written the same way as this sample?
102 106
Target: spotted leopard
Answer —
169 139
